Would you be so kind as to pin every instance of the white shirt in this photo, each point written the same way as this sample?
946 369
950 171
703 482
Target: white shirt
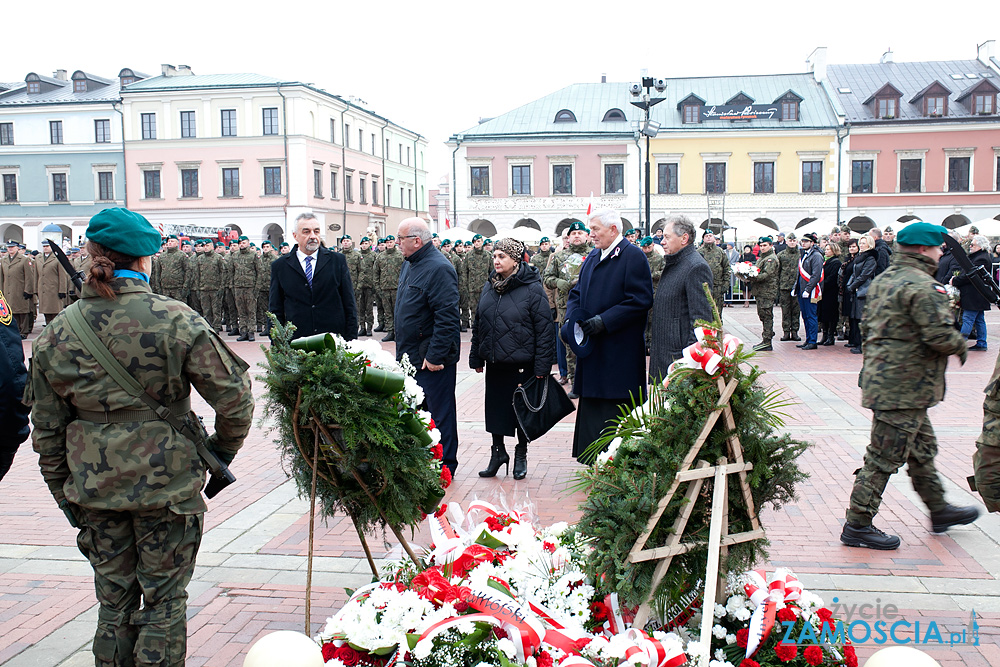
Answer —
614 244
302 260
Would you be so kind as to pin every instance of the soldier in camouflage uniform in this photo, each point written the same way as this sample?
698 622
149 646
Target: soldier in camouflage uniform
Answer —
477 264
190 285
790 315
365 291
721 271
656 264
245 269
267 256
540 260
986 461
908 337
139 511
386 277
765 289
458 261
561 274
210 270
228 293
353 258
172 273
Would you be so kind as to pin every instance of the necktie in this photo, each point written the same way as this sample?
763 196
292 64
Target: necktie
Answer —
309 270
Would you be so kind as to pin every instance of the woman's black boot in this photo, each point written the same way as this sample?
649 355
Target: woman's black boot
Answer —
498 457
520 460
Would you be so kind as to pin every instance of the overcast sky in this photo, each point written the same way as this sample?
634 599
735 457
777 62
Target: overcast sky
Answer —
436 67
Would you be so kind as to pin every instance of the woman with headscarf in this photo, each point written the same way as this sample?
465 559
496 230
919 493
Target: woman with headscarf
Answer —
512 339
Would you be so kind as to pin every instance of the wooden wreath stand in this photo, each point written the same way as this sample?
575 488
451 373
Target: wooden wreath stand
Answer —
333 440
719 538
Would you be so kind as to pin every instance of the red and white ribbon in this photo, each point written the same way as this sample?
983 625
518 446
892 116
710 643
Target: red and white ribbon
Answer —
649 652
765 596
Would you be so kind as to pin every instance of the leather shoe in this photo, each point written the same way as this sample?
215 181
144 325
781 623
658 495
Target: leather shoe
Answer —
250 337
830 341
950 516
390 337
786 337
977 348
869 537
809 346
563 380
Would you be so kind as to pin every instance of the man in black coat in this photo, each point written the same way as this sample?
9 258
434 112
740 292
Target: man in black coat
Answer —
974 304
427 327
311 286
883 253
614 292
13 413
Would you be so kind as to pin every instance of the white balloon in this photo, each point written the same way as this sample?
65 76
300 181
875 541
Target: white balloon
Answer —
284 648
894 656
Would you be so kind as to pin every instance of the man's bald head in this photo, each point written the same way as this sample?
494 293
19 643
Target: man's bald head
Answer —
413 234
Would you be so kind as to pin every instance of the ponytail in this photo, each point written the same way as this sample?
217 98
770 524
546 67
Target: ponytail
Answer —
104 263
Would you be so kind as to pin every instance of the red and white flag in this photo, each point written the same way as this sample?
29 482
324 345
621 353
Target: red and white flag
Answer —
447 223
590 204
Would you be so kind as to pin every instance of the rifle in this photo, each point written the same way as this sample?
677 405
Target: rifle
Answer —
977 275
193 429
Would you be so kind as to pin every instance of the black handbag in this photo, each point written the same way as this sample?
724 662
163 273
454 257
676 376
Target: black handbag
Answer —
539 404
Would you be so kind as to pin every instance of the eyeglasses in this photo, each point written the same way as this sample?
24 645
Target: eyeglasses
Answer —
411 236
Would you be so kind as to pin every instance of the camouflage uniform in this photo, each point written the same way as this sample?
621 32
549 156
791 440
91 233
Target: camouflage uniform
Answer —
229 294
173 274
366 293
561 274
192 282
908 337
210 272
388 264
721 271
765 289
458 261
986 461
263 289
540 260
790 315
477 264
656 264
134 486
245 269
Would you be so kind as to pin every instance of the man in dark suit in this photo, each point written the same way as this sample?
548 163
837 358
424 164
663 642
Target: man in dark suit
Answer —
614 294
13 413
311 286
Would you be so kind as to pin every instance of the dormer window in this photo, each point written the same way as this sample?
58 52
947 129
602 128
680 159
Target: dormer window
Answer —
565 116
983 104
127 80
886 107
126 76
884 103
980 98
935 105
80 86
933 100
34 87
789 110
614 115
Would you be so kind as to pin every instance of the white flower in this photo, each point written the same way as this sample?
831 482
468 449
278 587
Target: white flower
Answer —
507 646
720 611
422 651
730 639
718 631
742 614
720 655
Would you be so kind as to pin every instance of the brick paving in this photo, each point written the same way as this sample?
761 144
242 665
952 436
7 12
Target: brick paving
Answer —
252 567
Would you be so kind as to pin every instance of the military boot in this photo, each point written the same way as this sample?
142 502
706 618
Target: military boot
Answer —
869 537
950 516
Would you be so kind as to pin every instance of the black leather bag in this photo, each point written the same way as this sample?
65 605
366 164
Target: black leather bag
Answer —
539 404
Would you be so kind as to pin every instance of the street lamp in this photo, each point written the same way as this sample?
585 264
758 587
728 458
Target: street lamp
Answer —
649 127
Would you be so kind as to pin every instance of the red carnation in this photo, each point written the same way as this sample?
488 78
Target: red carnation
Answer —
461 606
813 655
445 477
329 651
548 546
347 655
500 633
747 662
741 637
786 614
824 613
850 657
437 451
544 659
599 611
786 652
432 426
441 510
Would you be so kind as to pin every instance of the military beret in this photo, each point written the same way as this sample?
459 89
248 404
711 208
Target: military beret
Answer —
186 242
264 243
468 244
922 233
172 236
390 237
364 239
707 232
765 239
577 226
477 237
490 241
346 236
648 240
243 238
845 228
810 237
446 242
284 244
220 244
545 239
888 229
380 240
973 230
124 231
434 235
632 232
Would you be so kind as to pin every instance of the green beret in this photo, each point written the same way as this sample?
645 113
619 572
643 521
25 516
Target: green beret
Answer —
577 226
220 244
172 236
446 242
434 235
921 233
477 237
490 241
765 239
544 239
284 244
381 240
390 237
124 231
365 239
243 238
468 244
346 236
646 241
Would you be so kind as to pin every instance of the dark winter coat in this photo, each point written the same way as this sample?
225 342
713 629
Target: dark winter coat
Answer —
680 300
828 309
846 297
865 266
13 413
946 268
514 327
426 314
883 255
328 307
971 298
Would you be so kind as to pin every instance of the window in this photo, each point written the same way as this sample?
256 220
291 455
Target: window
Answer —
151 184
812 176
789 110
373 143
401 196
125 80
34 87
105 186
6 134
520 179
189 182
270 121
666 179
691 114
188 126
347 135
55 131
763 177
361 140
272 180
562 179
409 198
148 125
229 122
886 107
715 177
614 179
958 174
230 182
333 185
935 105
80 86
362 185
375 191
909 175
983 103
317 183
998 173
861 175
407 155
564 116
401 162
333 131
102 131
348 188
10 187
386 154
614 115
480 181
59 192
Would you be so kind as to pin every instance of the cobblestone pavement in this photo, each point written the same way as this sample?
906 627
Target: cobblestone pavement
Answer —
251 570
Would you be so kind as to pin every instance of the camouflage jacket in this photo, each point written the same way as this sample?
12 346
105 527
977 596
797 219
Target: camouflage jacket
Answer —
656 264
908 335
458 261
540 260
194 266
563 272
719 263
766 282
264 271
210 270
245 268
228 270
367 268
168 348
173 270
789 261
388 264
477 265
353 258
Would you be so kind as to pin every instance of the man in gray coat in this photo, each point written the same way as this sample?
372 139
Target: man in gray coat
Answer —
680 297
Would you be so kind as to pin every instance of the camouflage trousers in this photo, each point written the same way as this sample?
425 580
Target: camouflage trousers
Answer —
720 301
898 437
246 308
472 304
790 315
262 304
388 307
463 309
986 461
765 311
365 301
211 307
140 557
229 304
178 293
194 300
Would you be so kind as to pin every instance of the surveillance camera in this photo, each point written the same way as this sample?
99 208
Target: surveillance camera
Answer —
635 89
660 85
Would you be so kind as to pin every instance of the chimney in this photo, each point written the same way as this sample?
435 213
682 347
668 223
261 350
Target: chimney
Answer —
604 77
184 70
816 63
985 51
168 70
887 57
60 74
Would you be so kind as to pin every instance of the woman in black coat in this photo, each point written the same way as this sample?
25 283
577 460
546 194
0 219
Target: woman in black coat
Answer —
846 271
861 277
828 309
512 337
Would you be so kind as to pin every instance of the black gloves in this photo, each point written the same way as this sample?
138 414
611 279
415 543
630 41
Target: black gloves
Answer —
62 295
594 326
26 296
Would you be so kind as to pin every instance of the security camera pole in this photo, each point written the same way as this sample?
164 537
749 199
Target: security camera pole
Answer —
649 127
